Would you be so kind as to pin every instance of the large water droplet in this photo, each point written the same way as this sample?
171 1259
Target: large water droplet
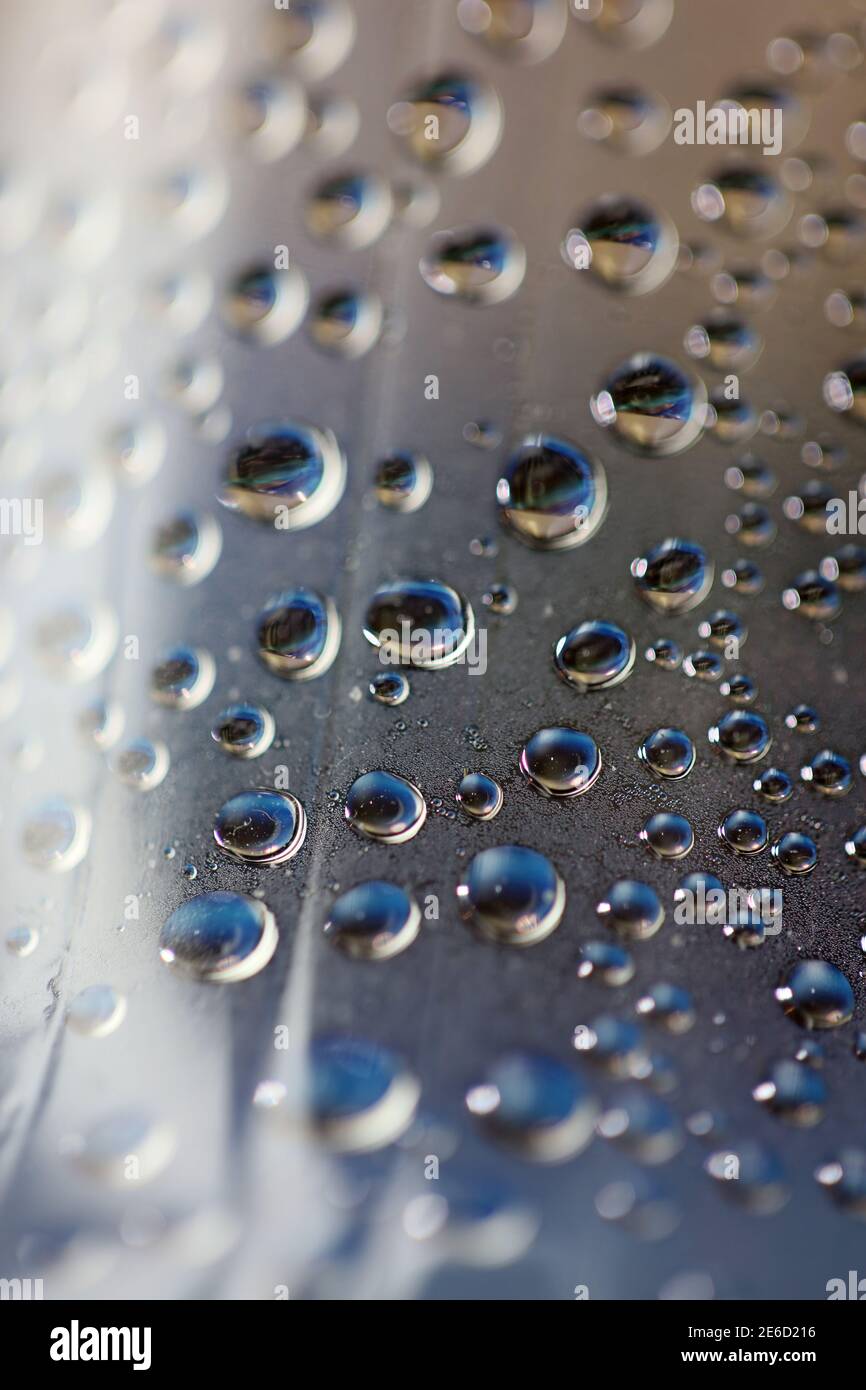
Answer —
652 405
552 495
512 895
419 622
290 475
535 1105
816 994
219 937
561 761
298 634
595 655
674 576
373 921
480 265
385 807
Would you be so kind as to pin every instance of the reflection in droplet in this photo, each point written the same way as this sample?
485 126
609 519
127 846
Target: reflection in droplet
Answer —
674 576
816 994
403 482
451 122
183 678
298 634
669 753
349 210
624 244
479 265
479 796
744 832
561 761
264 305
261 826
652 405
668 835
741 735
419 622
551 494
244 730
384 807
595 655
291 475
186 548
512 895
373 921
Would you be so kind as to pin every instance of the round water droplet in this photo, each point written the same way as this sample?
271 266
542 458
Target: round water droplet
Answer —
512 895
624 244
844 1179
360 1096
389 688
451 122
732 420
703 666
668 753
183 678
500 599
289 475
740 689
631 909
479 796
346 322
349 210
385 807
479 265
100 723
674 576
668 835
813 596
313 35
750 1175
626 119
855 847
271 113
614 1044
374 921
123 1148
298 634
142 763
634 25
74 644
744 832
644 1127
669 1005
845 389
816 994
652 405
665 653
561 761
186 548
261 827
744 577
829 773
244 730
419 622
96 1011
773 785
795 853
722 628
595 655
525 31
403 482
219 937
741 735
56 835
535 1105
846 567
605 962
266 306
724 342
552 495
746 200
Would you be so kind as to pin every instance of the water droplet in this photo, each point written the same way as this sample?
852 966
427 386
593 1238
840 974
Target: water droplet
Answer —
595 655
142 763
266 306
669 1005
741 735
673 576
525 31
844 1179
829 773
346 322
105 1151
373 921
744 577
298 634
855 847
652 405
666 653
535 1105
606 963
403 482
668 835
74 644
290 475
219 937
552 495
512 895
624 244
561 761
360 1096
703 666
816 994
314 36
773 785
385 807
627 119
614 1044
96 1011
744 832
480 265
479 796
101 723
56 835
244 730
500 599
795 853
261 827
631 909
419 622
22 941
389 687
183 678
635 25
450 122
186 548
813 596
349 210
747 201
644 1127
740 689
845 389
750 1175
668 753
847 568
724 342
